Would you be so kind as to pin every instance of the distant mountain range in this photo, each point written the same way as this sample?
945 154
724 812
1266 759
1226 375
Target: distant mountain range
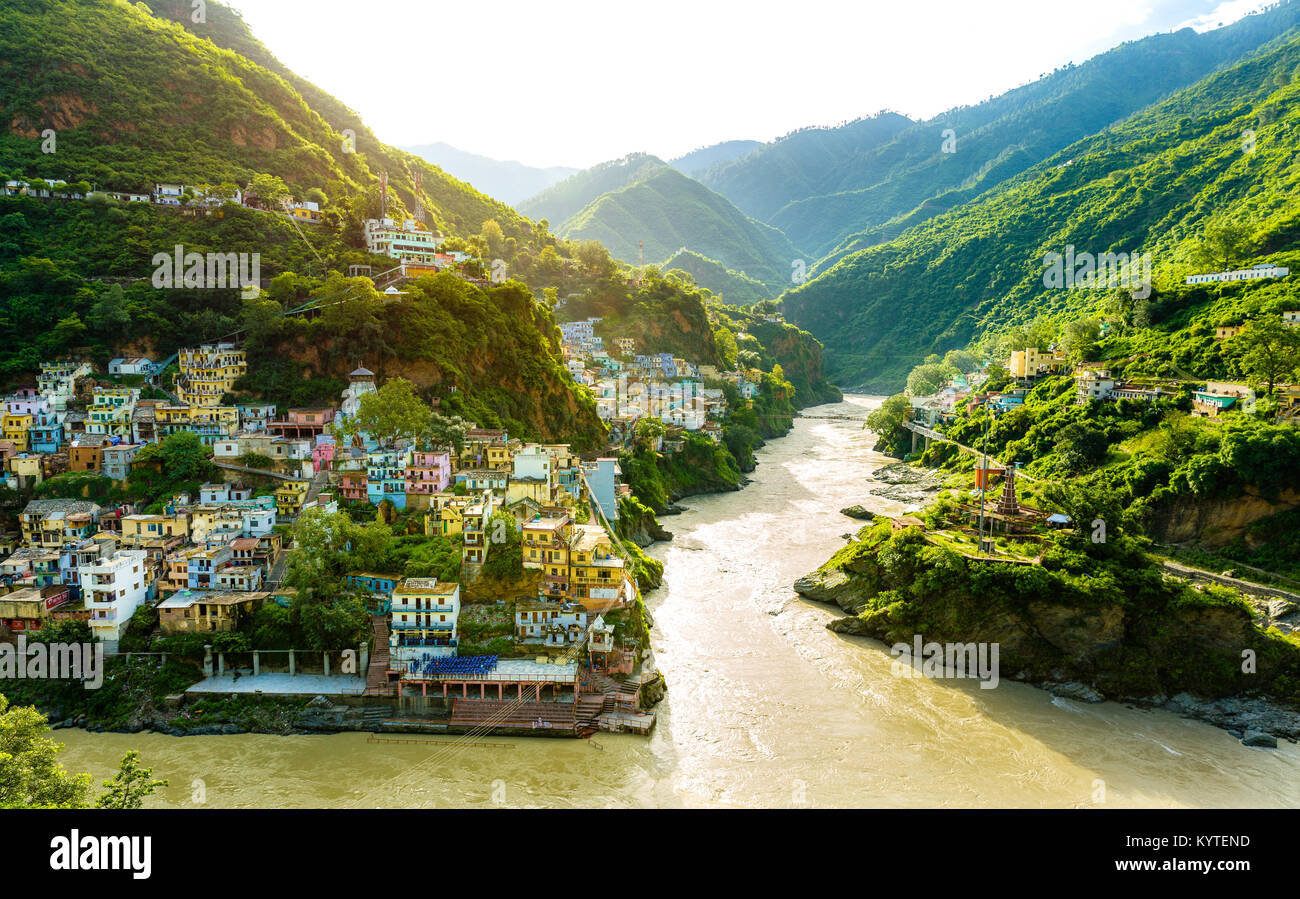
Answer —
697 161
507 181
1221 150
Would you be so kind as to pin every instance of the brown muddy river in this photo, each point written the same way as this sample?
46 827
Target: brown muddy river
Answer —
765 706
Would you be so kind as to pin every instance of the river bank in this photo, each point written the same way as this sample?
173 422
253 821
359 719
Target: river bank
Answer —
768 707
1086 622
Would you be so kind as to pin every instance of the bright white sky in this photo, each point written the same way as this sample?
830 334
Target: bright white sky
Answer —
576 82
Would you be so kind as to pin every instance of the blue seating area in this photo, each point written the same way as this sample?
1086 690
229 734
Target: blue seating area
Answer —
453 666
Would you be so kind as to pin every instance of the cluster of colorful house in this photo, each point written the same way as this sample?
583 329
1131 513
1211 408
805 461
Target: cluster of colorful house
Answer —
629 386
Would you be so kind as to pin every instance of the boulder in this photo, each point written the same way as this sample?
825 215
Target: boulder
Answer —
1259 738
856 511
1080 692
832 586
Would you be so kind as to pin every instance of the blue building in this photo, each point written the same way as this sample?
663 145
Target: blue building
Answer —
374 584
601 482
386 477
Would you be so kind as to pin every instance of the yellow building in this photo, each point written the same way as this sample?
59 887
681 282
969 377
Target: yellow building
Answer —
144 528
27 469
444 518
1032 362
110 411
1224 332
289 498
597 574
209 372
16 428
545 545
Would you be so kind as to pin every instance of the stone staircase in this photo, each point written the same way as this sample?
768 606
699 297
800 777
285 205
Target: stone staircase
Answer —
493 713
377 673
373 717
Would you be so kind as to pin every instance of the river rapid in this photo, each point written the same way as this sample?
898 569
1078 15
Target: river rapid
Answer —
765 706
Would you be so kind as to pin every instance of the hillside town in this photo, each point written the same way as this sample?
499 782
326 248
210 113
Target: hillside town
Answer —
205 560
991 520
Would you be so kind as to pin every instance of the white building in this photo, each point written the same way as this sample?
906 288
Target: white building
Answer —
136 365
360 382
112 589
549 623
1254 273
408 242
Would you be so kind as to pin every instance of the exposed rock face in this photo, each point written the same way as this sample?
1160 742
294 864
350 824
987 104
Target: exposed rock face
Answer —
832 586
1085 651
1217 522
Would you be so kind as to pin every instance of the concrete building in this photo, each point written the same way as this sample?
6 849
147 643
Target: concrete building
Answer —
112 589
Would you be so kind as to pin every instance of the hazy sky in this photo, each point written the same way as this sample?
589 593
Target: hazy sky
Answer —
576 82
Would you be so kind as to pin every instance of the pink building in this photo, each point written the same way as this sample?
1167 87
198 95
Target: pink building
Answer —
322 454
352 487
301 423
428 472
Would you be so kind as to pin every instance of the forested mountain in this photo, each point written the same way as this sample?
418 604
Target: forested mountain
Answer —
669 211
764 180
829 195
641 199
697 161
507 181
1219 153
135 98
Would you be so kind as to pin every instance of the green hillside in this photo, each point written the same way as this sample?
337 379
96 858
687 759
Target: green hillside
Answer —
730 286
1153 183
640 199
137 98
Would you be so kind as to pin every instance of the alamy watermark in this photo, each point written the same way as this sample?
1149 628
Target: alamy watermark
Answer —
943 660
179 269
53 661
1086 270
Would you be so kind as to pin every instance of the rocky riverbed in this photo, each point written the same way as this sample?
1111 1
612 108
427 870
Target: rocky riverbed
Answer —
1255 720
907 484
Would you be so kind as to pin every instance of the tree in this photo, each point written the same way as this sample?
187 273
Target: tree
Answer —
647 433
129 786
446 430
270 190
887 423
30 774
1080 338
315 195
927 378
961 360
1268 349
327 545
181 456
592 256
505 558
1080 445
493 237
1221 245
392 412
1085 502
110 315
